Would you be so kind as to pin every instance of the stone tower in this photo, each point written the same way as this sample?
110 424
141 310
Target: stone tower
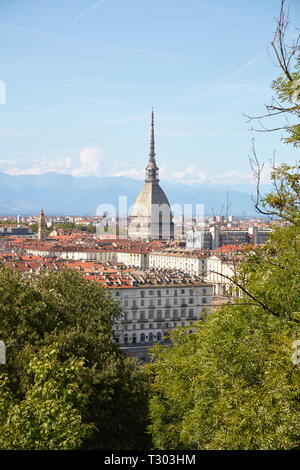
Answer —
151 216
42 228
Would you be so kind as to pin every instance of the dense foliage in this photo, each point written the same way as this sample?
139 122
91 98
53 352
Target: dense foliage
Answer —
63 311
232 384
90 228
50 414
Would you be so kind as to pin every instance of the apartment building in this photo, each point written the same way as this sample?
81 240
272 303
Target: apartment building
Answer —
220 270
186 261
158 302
137 258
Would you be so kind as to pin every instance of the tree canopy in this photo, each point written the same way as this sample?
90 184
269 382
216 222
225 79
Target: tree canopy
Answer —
50 414
75 317
232 384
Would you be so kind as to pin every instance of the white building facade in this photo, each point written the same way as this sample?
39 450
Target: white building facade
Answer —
150 312
193 264
220 271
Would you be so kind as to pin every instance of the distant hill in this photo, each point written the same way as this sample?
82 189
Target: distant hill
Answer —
66 195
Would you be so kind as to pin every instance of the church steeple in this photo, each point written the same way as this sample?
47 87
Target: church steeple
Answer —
152 168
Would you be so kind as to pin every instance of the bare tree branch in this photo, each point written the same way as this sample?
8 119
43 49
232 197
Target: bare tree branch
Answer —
284 55
257 301
259 203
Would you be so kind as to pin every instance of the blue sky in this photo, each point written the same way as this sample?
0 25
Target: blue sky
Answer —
82 76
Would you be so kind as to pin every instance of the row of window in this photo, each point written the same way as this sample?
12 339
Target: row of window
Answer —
180 261
175 313
151 326
167 311
143 338
151 302
158 292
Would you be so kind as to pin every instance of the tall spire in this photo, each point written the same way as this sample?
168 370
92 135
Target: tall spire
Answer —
151 168
152 151
42 228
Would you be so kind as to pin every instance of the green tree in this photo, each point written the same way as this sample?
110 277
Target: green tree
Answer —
49 417
91 228
232 384
64 226
77 316
35 228
8 222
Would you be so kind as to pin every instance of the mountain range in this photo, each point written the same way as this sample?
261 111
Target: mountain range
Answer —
61 194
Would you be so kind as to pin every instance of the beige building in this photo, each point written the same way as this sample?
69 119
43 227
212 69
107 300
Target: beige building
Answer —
73 253
151 310
136 258
219 272
182 261
151 216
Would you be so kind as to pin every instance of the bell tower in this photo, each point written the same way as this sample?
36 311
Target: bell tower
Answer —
42 228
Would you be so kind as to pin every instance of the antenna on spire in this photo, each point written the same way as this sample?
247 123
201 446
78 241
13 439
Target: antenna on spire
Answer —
152 151
151 168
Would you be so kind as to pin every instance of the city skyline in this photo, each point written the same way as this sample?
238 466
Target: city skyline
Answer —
149 255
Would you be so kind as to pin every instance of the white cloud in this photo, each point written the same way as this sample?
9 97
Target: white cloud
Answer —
129 173
244 67
232 177
92 164
228 84
60 165
189 175
122 170
192 175
6 162
90 158
85 12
